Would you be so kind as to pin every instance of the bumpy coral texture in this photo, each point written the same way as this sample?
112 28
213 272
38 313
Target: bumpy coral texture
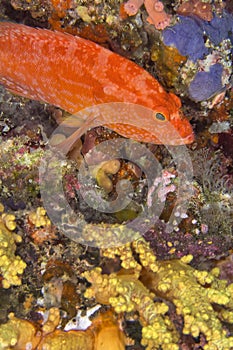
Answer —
193 293
11 266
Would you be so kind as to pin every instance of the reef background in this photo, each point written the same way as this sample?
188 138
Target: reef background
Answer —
48 270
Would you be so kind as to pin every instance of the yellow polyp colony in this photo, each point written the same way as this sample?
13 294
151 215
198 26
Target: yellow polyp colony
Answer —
103 334
10 265
9 221
39 218
125 293
146 287
18 334
52 321
191 291
104 233
126 255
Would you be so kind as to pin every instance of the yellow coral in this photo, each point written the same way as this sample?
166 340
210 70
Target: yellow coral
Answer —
39 218
103 334
53 320
10 265
18 334
9 221
192 300
126 256
147 257
107 235
125 293
191 291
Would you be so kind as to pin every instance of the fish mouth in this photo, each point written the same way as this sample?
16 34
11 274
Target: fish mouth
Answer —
183 128
179 141
181 135
188 139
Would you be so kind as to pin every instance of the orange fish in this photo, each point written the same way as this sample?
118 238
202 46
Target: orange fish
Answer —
73 73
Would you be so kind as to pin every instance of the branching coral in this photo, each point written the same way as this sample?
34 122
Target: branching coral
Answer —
125 293
192 292
10 265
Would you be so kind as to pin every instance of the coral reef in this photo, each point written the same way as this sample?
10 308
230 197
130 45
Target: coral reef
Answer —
193 293
173 292
11 265
19 161
60 283
215 187
39 10
168 63
208 47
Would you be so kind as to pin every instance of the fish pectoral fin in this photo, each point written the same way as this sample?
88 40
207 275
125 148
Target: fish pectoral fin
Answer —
67 145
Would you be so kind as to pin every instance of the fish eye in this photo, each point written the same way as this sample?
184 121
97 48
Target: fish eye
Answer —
160 116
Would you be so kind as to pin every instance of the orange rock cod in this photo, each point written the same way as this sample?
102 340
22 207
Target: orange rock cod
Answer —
73 73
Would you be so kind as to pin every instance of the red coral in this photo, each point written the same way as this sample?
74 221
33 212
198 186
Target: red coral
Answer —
198 8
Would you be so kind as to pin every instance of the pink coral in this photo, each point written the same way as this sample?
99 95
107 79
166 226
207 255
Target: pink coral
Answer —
132 6
198 8
157 16
155 9
164 186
